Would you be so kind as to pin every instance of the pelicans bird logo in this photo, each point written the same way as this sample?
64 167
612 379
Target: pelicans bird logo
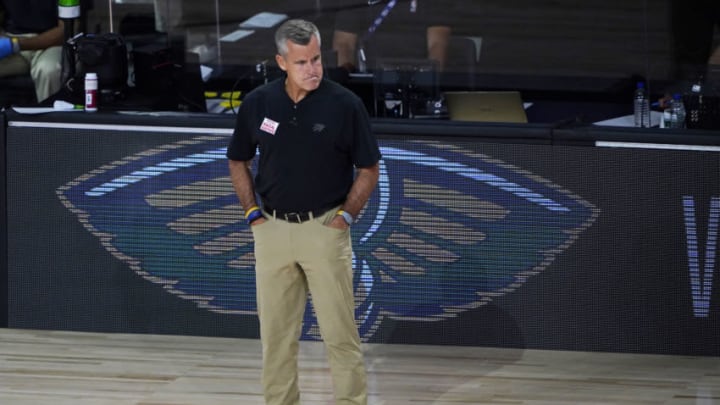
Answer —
448 229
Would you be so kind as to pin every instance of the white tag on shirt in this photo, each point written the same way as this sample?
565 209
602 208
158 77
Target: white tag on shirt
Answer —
269 126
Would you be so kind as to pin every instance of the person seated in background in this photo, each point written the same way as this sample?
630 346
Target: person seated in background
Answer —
408 28
693 24
31 41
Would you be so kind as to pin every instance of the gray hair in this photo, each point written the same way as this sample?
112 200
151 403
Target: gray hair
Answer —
296 31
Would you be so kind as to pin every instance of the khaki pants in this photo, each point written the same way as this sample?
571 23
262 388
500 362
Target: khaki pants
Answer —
44 66
293 259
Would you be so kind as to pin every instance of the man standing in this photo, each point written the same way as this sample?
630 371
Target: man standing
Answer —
317 168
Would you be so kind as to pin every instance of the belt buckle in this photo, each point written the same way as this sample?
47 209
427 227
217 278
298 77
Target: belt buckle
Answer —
293 217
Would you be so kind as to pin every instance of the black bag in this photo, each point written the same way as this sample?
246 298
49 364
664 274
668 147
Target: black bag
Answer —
703 111
106 55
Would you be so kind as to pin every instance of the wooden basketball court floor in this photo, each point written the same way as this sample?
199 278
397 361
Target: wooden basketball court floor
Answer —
79 368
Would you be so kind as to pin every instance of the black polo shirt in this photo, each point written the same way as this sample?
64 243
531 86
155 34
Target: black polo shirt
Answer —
29 16
308 150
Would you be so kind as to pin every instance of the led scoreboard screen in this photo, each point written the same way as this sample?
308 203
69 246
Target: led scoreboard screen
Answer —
462 243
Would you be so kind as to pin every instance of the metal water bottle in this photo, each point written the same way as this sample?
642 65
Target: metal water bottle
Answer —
91 91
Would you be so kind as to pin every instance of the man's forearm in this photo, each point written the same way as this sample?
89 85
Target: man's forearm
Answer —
242 182
363 186
52 37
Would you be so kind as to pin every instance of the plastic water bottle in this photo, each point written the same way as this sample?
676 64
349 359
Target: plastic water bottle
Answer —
361 60
677 112
667 116
641 107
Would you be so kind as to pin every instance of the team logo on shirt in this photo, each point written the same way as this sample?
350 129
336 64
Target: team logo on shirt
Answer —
269 126
447 230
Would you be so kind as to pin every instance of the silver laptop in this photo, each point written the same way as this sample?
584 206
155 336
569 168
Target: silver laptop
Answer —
486 106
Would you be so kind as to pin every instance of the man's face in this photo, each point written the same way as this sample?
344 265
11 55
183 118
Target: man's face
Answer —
303 65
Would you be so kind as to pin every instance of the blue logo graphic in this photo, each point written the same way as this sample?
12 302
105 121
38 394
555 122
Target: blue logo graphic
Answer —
447 230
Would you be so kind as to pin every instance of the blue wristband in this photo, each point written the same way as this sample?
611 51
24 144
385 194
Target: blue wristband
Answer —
6 47
254 215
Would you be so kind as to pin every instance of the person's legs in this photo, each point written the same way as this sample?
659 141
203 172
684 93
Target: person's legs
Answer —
281 297
46 71
327 261
14 65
